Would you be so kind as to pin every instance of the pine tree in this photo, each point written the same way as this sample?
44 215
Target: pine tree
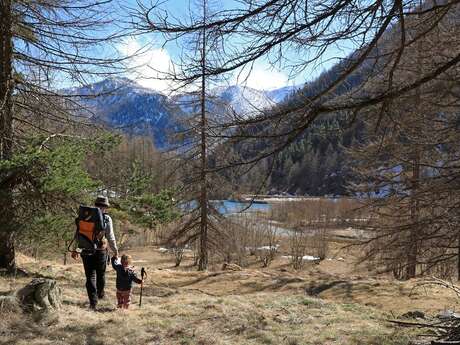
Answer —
42 43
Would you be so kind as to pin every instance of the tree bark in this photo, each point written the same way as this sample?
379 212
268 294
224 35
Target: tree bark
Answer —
203 259
411 269
458 256
7 254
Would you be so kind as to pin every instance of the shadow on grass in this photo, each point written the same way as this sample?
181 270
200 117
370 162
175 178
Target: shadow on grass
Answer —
315 290
24 330
346 289
80 304
106 309
201 279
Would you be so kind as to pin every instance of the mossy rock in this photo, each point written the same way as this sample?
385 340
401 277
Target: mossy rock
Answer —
41 294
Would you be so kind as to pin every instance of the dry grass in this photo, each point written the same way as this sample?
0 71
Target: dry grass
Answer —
252 306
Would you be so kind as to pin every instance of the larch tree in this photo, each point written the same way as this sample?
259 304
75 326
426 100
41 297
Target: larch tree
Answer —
382 72
200 143
298 35
407 168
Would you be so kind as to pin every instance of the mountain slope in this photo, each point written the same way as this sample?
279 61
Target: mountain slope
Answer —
245 101
121 103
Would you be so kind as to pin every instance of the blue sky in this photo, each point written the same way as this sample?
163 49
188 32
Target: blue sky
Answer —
145 67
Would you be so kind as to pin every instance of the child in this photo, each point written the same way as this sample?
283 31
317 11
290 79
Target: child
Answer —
125 278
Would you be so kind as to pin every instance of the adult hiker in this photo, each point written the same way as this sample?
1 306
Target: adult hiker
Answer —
94 252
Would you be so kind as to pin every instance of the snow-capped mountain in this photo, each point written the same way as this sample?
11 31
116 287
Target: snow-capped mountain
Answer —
124 104
280 95
245 101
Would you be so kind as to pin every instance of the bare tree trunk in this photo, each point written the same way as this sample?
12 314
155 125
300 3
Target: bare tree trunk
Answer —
203 260
411 269
7 255
458 257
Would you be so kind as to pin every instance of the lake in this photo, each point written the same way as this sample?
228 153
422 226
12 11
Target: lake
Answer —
233 206
230 206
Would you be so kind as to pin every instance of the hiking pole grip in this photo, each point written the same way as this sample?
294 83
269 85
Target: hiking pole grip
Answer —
142 285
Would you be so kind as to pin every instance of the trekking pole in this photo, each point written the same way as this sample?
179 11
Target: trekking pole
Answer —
143 273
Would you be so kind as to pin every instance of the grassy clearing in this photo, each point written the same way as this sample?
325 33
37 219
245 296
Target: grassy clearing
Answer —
190 318
248 307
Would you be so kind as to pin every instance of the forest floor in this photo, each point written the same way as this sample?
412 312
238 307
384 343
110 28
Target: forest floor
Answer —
330 303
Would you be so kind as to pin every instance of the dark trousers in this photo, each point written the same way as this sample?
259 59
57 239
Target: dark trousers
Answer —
95 265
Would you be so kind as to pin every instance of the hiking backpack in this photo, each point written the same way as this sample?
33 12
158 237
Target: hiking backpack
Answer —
91 226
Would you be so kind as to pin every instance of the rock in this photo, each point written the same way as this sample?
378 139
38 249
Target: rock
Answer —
41 294
448 314
413 314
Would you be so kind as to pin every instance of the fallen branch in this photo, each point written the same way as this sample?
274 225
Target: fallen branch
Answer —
447 328
439 282
421 325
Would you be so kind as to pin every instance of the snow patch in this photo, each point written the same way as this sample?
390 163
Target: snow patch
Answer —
304 258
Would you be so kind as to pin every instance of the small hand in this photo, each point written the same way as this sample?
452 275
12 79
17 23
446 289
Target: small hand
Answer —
74 255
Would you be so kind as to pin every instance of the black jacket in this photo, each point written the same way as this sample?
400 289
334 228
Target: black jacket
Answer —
125 277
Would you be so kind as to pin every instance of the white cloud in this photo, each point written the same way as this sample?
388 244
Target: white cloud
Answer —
147 65
262 78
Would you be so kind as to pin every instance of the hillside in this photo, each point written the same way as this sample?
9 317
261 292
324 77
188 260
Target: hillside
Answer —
315 164
251 306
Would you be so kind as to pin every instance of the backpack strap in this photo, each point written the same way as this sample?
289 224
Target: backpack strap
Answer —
74 236
106 220
100 240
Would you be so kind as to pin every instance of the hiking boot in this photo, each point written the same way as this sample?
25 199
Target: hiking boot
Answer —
101 295
92 307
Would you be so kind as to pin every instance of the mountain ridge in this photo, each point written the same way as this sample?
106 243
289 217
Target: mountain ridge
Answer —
121 103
